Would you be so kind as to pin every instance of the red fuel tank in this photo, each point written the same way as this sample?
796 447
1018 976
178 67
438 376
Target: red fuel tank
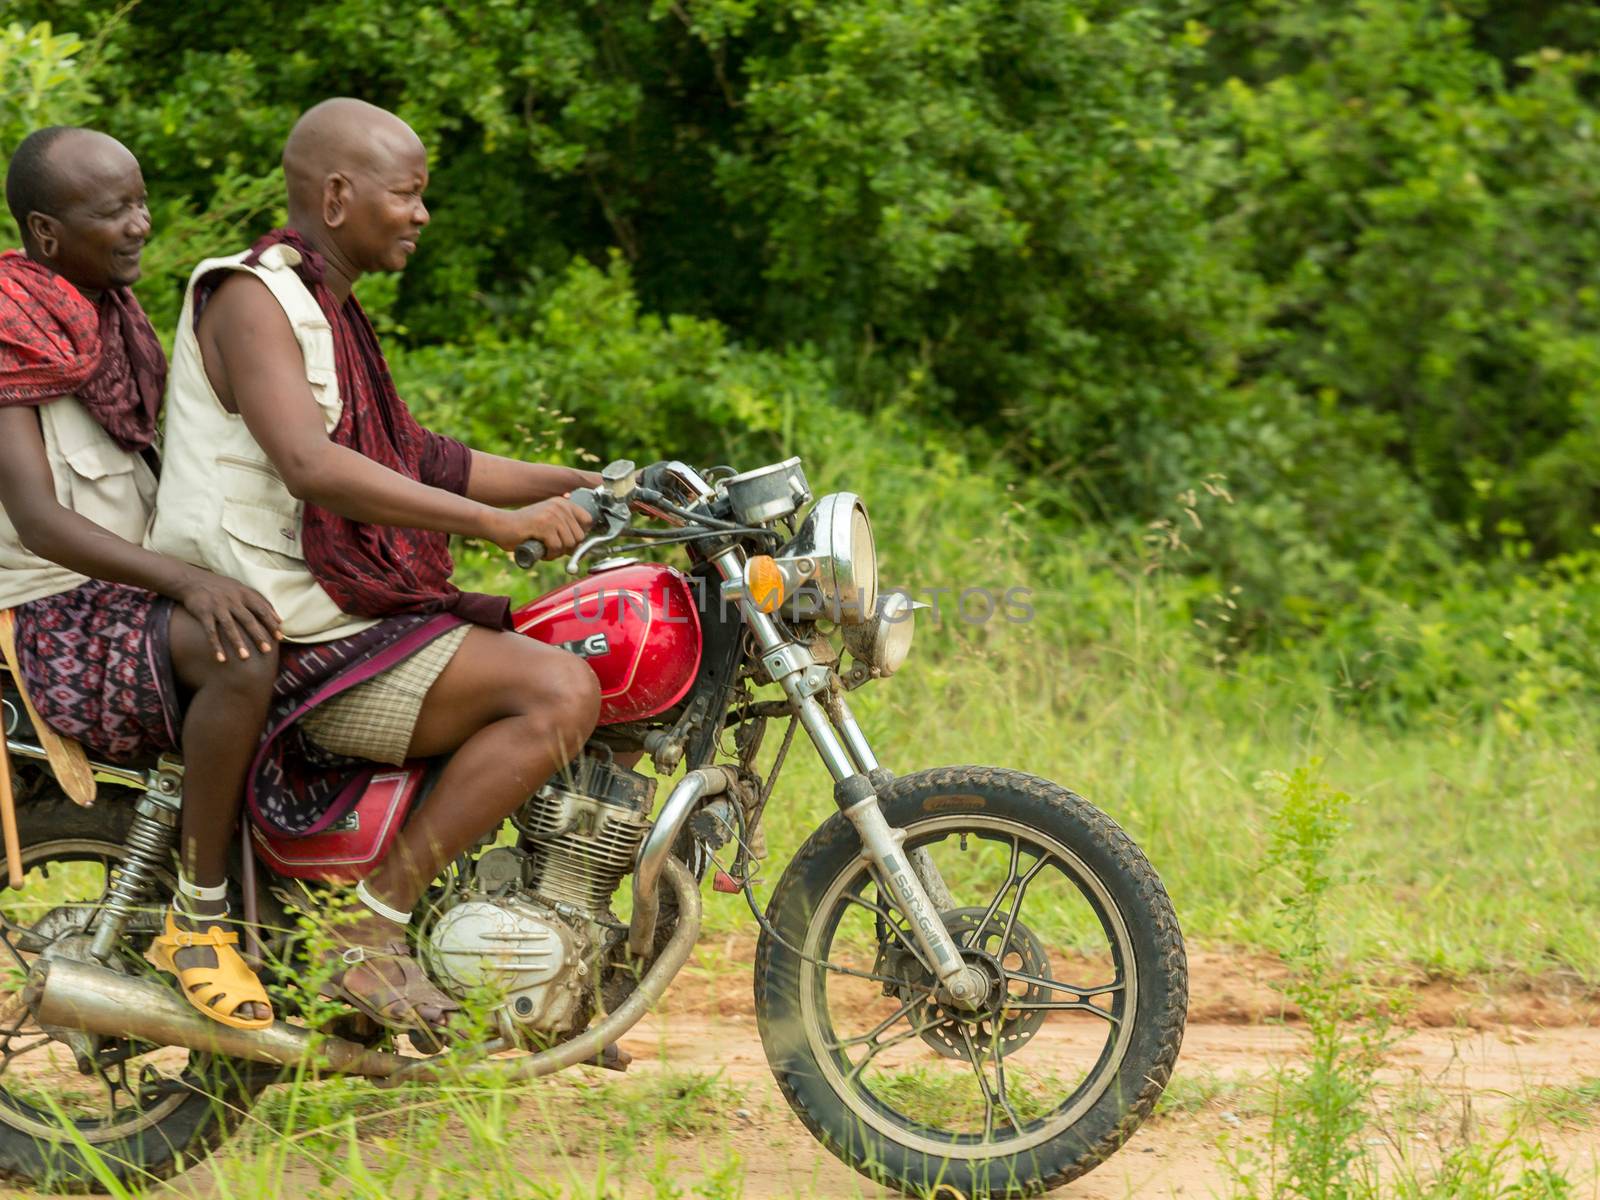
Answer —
638 626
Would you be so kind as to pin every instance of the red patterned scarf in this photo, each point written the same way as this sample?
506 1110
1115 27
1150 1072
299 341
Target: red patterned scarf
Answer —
54 342
381 570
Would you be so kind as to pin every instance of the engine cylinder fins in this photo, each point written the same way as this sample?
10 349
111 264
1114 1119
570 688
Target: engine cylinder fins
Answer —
583 832
584 871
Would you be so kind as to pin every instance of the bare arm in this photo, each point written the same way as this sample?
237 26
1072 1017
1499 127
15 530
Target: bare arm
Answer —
229 611
254 362
505 481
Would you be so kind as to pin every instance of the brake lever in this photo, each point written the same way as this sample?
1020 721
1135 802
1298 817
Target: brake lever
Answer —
616 522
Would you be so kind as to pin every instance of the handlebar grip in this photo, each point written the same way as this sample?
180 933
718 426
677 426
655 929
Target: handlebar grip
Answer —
532 550
529 553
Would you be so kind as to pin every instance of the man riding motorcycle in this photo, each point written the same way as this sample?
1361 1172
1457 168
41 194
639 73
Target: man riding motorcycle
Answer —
293 465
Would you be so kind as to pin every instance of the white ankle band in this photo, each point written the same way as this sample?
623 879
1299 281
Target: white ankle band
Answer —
379 907
195 892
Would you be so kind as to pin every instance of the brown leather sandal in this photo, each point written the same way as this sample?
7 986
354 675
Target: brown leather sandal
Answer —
394 1004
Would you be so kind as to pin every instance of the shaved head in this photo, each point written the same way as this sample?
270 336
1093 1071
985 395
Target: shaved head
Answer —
43 174
79 201
338 136
356 174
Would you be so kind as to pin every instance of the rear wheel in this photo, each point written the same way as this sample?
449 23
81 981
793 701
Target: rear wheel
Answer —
1076 937
78 1114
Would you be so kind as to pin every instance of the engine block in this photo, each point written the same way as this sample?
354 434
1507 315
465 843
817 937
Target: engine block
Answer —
583 831
519 950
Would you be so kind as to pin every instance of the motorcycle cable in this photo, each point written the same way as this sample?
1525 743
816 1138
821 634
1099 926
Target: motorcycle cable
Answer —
747 889
657 500
654 540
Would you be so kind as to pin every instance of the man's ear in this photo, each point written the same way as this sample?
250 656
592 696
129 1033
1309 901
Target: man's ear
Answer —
336 193
44 231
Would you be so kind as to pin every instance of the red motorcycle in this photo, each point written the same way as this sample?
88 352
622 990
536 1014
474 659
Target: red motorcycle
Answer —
966 977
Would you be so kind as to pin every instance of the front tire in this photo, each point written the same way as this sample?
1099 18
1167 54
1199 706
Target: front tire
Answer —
885 1101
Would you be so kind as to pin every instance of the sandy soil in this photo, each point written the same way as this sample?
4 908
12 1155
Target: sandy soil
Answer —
1473 1052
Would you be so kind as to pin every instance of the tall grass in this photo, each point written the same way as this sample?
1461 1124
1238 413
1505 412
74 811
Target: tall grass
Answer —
1477 827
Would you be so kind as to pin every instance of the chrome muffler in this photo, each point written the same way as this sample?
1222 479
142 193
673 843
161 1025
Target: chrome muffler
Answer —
66 994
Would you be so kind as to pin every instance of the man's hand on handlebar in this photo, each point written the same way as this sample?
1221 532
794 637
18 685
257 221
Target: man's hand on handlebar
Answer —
558 524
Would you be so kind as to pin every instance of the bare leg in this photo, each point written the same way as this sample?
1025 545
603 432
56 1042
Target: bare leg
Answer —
513 711
227 708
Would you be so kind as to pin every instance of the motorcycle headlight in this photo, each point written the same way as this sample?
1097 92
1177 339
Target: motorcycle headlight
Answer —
839 536
883 642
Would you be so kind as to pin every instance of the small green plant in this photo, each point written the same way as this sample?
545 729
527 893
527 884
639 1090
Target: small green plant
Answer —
1324 1120
1316 1149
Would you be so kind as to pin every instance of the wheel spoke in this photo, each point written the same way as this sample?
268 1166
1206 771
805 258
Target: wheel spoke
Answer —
1062 1006
994 1093
879 1047
1000 894
1055 985
877 1030
887 916
1016 902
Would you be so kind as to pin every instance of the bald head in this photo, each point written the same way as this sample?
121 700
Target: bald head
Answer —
356 174
48 165
339 136
79 201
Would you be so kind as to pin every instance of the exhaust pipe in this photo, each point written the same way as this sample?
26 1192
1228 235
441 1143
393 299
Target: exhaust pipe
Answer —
70 995
657 850
81 996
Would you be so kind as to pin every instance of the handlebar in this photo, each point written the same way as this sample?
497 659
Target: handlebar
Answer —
533 550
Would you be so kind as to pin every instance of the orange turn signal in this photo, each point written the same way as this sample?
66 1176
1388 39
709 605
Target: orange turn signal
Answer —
763 583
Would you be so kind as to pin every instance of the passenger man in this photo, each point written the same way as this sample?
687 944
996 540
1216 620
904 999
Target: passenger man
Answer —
102 624
294 466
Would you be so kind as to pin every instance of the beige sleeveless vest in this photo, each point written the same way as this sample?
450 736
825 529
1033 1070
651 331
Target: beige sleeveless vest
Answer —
95 478
222 504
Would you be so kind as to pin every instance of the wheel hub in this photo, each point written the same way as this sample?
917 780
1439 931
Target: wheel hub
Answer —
957 1032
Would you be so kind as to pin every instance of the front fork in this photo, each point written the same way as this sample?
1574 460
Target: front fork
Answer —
911 879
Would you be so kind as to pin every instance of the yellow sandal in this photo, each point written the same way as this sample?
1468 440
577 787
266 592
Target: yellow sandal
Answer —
218 991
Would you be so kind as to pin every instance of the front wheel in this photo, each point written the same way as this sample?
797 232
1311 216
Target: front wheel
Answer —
1088 987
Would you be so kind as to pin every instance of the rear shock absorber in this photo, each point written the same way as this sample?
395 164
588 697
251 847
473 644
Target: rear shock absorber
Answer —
155 826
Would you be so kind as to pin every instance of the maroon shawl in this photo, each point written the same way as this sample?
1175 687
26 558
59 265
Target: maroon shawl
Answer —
54 342
381 570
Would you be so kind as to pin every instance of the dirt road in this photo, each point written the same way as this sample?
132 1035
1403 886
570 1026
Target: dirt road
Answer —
1476 1058
1473 1058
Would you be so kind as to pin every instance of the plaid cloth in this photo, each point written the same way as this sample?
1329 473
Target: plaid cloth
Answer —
375 719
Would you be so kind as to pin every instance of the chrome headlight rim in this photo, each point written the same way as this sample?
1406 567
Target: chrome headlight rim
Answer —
838 534
883 643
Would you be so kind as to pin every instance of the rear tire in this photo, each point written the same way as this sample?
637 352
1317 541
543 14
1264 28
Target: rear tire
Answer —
156 1140
914 1152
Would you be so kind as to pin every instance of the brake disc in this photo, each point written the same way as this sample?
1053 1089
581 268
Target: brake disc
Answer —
949 1028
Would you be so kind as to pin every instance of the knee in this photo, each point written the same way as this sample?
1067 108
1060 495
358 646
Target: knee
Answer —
577 703
244 679
565 704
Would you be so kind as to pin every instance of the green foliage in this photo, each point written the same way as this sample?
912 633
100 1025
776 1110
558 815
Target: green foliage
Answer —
1104 253
1319 1145
44 85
